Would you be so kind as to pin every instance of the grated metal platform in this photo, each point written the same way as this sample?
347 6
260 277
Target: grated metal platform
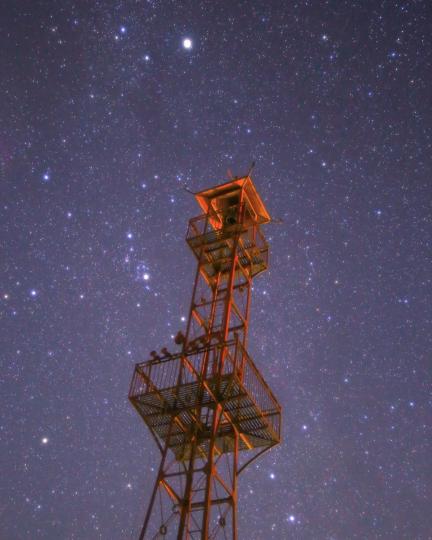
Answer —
249 403
217 245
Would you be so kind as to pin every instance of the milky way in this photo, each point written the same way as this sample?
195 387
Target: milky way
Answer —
108 111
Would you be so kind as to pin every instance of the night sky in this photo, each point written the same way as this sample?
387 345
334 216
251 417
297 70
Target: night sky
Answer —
107 111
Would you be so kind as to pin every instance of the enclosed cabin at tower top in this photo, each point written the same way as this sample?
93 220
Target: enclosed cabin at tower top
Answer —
231 209
225 203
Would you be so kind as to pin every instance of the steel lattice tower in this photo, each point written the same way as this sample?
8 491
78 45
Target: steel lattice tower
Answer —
207 406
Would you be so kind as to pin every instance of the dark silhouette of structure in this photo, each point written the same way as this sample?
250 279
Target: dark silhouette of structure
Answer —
208 407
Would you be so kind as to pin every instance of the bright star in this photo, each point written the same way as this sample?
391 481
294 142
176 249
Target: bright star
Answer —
187 43
146 277
44 440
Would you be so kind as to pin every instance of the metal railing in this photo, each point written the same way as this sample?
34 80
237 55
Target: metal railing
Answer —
257 388
161 374
252 243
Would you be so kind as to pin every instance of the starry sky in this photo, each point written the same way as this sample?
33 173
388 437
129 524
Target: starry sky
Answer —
108 110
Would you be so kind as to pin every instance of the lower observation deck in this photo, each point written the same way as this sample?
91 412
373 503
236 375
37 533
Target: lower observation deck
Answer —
175 387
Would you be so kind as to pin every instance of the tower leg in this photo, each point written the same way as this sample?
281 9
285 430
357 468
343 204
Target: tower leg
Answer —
156 485
210 472
187 495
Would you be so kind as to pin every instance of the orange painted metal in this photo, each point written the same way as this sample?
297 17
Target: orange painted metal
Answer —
207 406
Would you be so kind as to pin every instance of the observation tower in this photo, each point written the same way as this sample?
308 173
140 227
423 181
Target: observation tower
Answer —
207 406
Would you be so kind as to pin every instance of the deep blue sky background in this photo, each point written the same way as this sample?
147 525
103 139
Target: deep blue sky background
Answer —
104 116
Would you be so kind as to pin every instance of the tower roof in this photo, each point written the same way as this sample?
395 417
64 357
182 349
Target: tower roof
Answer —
205 198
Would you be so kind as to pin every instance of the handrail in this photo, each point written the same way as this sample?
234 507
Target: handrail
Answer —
240 363
240 357
255 227
259 376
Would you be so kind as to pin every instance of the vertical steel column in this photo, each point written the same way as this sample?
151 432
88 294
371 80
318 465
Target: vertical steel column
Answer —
234 481
157 484
217 406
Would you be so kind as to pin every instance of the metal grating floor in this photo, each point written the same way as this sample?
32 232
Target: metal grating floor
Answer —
255 426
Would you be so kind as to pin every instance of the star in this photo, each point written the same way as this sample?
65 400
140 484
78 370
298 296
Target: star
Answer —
187 43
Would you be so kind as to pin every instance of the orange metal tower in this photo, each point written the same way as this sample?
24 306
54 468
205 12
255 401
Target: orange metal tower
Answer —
207 406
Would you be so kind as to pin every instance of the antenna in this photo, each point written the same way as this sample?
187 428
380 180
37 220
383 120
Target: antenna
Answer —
251 168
